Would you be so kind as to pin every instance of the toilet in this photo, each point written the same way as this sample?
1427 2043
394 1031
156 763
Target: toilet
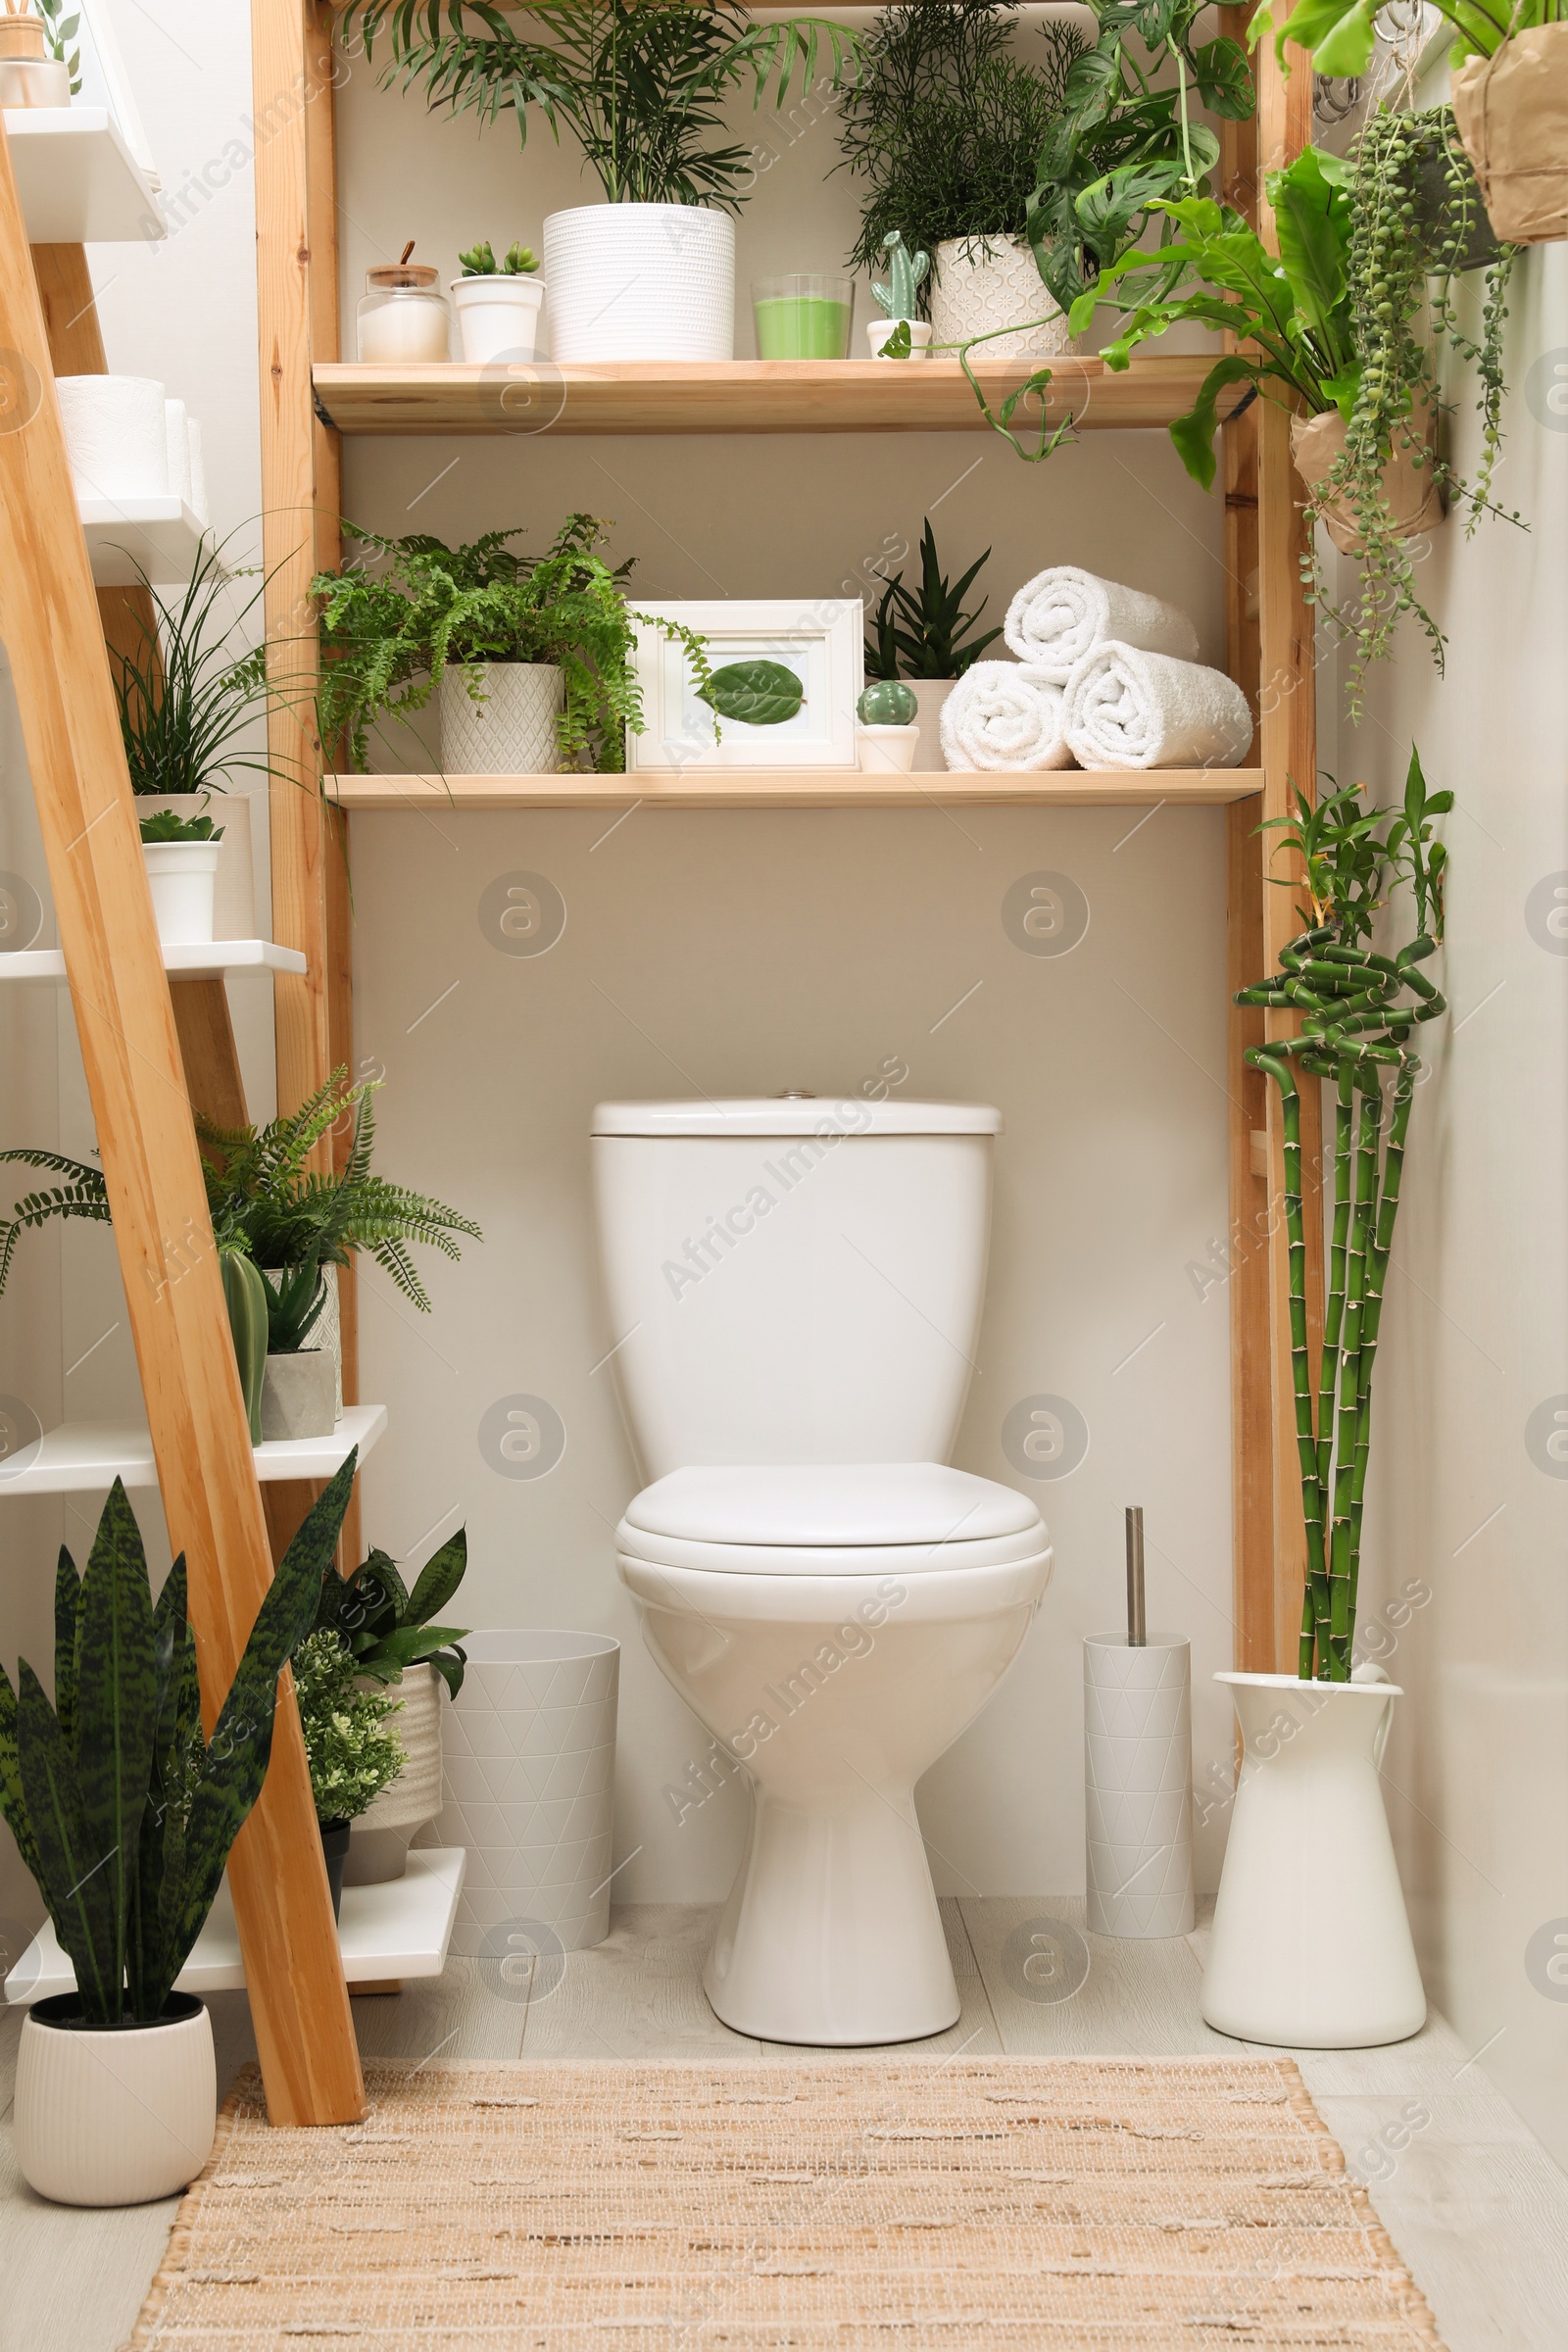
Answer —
793 1294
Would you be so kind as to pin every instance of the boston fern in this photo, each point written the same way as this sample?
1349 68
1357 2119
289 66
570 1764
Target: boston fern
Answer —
641 88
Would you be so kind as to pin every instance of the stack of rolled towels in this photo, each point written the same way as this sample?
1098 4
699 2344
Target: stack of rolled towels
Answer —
1106 677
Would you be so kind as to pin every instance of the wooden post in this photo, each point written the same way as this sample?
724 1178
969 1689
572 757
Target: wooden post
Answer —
50 625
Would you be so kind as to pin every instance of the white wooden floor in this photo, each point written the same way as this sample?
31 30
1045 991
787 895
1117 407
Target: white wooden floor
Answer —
1474 2203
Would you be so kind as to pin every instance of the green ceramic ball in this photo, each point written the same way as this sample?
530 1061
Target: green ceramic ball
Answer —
888 703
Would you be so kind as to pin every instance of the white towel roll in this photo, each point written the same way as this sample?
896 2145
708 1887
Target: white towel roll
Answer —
177 437
1061 615
116 437
1004 716
1126 708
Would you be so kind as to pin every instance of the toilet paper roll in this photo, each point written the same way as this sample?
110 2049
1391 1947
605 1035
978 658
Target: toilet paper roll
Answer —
1137 1786
115 435
176 441
198 474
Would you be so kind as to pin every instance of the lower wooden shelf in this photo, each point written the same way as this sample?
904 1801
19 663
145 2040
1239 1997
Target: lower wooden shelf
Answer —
221 959
401 1928
788 788
88 1456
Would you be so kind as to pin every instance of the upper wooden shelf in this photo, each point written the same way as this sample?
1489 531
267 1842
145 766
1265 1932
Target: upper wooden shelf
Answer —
747 396
785 788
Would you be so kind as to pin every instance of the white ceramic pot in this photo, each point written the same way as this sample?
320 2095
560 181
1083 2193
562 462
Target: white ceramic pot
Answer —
979 284
498 317
235 895
887 750
1137 1786
641 281
182 876
930 694
512 732
1312 1947
378 1848
115 2115
877 331
298 1396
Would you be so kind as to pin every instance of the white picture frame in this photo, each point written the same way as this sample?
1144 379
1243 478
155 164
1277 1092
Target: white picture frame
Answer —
822 641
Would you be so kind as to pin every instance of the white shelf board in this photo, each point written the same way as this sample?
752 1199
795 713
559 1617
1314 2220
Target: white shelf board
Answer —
88 1456
401 1928
78 181
211 963
159 534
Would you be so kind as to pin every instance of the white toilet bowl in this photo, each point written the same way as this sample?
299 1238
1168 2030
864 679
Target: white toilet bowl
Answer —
836 1627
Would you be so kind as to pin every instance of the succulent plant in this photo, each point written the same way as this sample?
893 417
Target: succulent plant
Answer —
522 262
888 703
906 269
480 262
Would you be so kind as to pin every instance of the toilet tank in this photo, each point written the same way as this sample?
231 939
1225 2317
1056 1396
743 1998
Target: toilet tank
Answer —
793 1281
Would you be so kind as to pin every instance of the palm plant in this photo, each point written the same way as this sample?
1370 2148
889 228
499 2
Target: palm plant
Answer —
920 633
1356 1008
121 1809
641 87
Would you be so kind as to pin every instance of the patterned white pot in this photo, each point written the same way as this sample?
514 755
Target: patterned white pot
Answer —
1138 1787
978 285
378 1846
641 281
512 731
234 893
117 2114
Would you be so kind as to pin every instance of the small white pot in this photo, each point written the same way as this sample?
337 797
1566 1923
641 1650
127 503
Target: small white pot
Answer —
498 317
930 694
641 281
887 750
182 876
234 896
512 732
979 284
1311 1947
378 1848
115 2115
877 331
298 1396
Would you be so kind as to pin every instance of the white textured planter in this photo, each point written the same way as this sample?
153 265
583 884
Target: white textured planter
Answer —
235 895
298 1396
512 731
379 1847
641 281
182 876
1312 1947
117 2114
877 331
531 1772
887 750
1138 1787
498 317
975 290
930 694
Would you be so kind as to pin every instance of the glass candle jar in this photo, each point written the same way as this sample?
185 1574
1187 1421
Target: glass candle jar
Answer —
805 316
402 315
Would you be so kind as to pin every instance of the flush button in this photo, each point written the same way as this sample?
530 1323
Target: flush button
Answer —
796 1094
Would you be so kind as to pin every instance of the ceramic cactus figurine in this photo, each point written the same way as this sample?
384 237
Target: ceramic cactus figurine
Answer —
906 269
888 703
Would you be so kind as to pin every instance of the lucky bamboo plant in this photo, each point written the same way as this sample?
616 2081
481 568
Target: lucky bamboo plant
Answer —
1357 1009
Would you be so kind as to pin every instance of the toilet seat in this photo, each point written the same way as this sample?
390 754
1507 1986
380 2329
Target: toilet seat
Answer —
829 1520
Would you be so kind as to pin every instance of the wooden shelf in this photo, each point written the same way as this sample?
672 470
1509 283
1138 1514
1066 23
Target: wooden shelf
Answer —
401 1928
88 1456
160 534
78 181
746 396
787 788
223 957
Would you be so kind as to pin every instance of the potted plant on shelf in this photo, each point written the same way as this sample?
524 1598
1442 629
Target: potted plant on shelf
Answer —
352 1744
396 1646
124 1815
649 274
498 302
530 657
924 636
1311 1945
899 333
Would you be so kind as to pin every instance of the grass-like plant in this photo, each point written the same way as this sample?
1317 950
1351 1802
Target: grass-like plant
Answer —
350 1738
387 1627
121 1809
189 685
1357 1008
926 632
641 87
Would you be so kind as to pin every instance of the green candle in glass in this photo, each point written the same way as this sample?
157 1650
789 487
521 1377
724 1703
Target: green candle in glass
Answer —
804 316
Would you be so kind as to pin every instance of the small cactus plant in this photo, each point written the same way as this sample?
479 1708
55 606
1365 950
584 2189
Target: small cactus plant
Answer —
480 262
906 269
888 703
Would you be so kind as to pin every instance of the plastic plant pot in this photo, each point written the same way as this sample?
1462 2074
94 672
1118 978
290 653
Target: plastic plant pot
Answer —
806 316
498 316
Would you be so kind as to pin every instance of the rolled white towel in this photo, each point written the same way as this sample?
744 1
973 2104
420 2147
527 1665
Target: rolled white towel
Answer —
1004 715
1130 709
1061 615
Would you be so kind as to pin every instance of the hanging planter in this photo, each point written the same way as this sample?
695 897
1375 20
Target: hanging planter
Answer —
1410 489
983 283
1512 113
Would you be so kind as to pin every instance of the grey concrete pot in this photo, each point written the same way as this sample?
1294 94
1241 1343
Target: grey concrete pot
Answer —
298 1396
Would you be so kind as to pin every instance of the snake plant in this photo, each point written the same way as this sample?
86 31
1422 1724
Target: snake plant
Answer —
386 1626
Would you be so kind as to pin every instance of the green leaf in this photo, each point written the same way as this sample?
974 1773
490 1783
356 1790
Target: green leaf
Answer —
74 1876
449 1665
755 693
1193 433
443 1572
1312 216
1347 50
1225 79
13 1803
116 1702
897 345
67 1636
410 1647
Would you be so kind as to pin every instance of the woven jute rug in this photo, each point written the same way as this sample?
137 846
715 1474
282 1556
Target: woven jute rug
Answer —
981 2204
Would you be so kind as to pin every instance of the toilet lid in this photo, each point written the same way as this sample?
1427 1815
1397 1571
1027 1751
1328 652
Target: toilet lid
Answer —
835 1518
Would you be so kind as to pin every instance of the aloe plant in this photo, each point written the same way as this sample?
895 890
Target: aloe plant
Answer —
121 1809
386 1626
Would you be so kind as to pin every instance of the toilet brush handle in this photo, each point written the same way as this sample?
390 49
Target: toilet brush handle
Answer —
1137 1638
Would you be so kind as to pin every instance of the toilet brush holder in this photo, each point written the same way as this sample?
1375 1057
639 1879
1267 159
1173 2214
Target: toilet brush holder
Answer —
1137 1786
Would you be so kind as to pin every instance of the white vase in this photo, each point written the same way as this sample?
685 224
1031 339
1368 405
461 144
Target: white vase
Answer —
979 284
1137 1786
182 876
378 1846
498 316
1312 1947
116 2115
641 281
234 893
512 732
930 694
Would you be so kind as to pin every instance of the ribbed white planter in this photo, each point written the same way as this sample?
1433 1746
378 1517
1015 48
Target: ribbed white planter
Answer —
641 281
117 2114
234 892
512 731
1312 1947
530 1773
379 1847
182 876
930 694
974 290
1138 1787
